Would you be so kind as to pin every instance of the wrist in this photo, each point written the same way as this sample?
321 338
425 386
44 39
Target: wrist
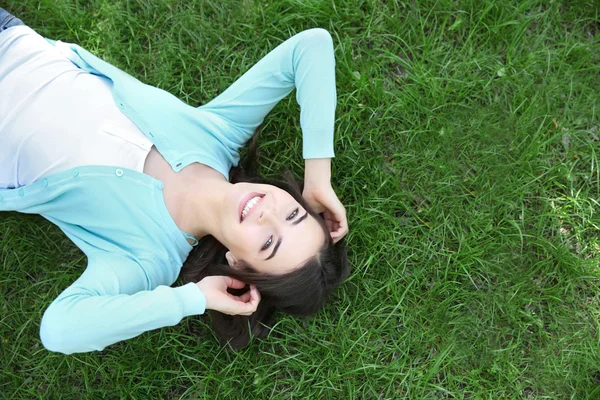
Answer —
206 292
317 172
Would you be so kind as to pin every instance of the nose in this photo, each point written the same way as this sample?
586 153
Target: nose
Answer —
267 214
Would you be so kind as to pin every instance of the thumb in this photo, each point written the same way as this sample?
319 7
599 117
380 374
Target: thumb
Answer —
234 283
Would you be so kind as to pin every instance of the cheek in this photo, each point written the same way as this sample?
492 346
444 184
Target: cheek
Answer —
283 197
245 239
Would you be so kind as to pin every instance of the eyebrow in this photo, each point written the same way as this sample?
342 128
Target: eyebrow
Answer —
274 250
302 218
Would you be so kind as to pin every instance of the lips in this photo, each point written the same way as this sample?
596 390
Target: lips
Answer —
249 204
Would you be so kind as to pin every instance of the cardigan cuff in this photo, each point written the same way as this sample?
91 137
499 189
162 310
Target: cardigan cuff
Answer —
317 143
192 299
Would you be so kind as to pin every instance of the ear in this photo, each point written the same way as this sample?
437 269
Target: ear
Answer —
231 260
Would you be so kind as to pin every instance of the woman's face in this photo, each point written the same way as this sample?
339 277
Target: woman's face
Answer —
265 227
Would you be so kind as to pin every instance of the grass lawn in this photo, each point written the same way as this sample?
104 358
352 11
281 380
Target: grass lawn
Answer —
467 147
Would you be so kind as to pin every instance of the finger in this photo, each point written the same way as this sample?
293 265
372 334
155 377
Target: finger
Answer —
332 223
338 235
341 228
340 216
254 296
236 307
329 225
335 226
337 217
234 283
247 308
245 297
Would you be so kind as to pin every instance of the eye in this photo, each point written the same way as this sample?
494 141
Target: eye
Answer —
292 215
268 243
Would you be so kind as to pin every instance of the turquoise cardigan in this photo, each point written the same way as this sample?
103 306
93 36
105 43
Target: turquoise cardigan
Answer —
118 216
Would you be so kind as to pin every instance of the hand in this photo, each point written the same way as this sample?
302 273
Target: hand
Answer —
219 299
323 199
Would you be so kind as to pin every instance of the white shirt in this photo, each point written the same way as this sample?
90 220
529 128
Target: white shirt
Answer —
54 116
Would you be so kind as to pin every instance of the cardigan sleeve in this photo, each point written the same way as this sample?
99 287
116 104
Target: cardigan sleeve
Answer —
305 62
108 304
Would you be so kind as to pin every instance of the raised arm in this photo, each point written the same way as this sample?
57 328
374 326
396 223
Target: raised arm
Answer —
111 302
305 62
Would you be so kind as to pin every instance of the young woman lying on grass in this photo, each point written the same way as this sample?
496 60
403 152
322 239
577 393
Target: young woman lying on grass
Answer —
139 181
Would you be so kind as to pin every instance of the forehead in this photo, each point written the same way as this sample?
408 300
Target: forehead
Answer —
299 243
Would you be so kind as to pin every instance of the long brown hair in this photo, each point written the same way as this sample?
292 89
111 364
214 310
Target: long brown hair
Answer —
300 292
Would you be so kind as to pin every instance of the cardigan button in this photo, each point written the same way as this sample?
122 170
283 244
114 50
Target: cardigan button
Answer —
21 192
45 182
1 198
119 172
76 172
160 185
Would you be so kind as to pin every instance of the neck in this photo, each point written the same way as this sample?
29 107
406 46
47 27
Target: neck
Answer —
202 195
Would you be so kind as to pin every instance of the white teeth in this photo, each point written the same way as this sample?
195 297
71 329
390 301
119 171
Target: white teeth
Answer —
251 203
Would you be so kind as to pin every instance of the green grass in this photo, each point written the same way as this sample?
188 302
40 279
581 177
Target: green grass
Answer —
467 156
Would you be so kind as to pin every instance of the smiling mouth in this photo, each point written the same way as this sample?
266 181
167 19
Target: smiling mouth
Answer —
251 201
